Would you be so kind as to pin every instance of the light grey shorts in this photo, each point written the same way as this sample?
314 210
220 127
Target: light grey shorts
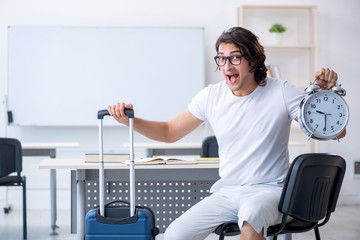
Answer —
256 204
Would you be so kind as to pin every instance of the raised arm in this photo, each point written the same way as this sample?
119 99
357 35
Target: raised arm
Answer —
171 131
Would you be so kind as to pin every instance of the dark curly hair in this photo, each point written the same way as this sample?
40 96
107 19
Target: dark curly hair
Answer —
249 47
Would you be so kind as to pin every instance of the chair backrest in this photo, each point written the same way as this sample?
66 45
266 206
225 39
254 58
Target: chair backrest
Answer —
10 156
209 147
312 186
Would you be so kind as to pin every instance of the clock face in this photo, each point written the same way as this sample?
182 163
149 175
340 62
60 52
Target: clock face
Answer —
325 114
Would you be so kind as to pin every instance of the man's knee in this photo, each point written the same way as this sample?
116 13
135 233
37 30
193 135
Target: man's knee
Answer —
174 232
185 229
248 232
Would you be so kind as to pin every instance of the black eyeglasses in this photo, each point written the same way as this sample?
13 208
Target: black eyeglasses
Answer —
233 59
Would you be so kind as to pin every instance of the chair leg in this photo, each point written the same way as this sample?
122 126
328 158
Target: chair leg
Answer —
317 233
221 236
24 209
7 206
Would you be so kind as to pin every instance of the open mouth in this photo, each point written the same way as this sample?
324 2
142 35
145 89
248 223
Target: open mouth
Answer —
232 78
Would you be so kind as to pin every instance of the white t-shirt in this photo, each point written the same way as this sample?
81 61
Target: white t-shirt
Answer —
252 131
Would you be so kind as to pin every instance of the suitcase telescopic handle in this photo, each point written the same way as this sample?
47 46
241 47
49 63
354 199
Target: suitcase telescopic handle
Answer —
102 113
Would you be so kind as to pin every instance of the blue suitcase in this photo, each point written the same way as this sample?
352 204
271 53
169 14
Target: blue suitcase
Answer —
124 221
117 224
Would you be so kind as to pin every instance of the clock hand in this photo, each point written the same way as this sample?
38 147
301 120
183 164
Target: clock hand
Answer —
325 122
320 112
323 113
325 118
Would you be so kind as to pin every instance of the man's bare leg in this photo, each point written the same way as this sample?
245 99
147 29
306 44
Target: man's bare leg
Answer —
249 233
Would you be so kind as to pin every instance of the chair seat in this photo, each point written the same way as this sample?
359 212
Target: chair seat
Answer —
293 226
11 181
228 228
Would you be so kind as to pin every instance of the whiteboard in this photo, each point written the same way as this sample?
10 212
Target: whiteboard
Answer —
61 76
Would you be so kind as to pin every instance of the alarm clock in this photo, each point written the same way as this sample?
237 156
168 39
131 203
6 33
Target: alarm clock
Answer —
323 114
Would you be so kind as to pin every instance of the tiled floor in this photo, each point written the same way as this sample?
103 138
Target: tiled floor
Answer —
344 224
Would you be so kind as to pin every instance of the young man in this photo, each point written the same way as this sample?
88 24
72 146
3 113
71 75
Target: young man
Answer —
250 116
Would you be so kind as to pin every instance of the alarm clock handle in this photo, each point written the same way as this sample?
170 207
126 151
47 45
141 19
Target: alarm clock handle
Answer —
312 88
338 90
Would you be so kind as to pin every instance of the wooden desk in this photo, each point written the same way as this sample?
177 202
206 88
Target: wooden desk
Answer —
167 179
166 149
48 149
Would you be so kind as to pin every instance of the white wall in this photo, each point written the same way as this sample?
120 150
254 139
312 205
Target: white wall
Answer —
339 36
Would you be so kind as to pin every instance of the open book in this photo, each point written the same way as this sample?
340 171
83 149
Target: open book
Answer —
108 157
163 160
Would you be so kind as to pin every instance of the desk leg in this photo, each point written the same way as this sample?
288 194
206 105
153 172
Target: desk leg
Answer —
80 205
53 201
149 152
53 207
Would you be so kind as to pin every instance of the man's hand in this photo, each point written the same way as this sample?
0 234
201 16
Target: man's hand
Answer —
117 111
326 78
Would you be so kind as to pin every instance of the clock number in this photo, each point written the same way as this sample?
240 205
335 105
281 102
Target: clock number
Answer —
340 115
313 105
326 98
317 125
311 121
338 122
332 128
338 107
309 112
318 100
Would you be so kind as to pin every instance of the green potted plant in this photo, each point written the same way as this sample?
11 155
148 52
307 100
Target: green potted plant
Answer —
277 30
